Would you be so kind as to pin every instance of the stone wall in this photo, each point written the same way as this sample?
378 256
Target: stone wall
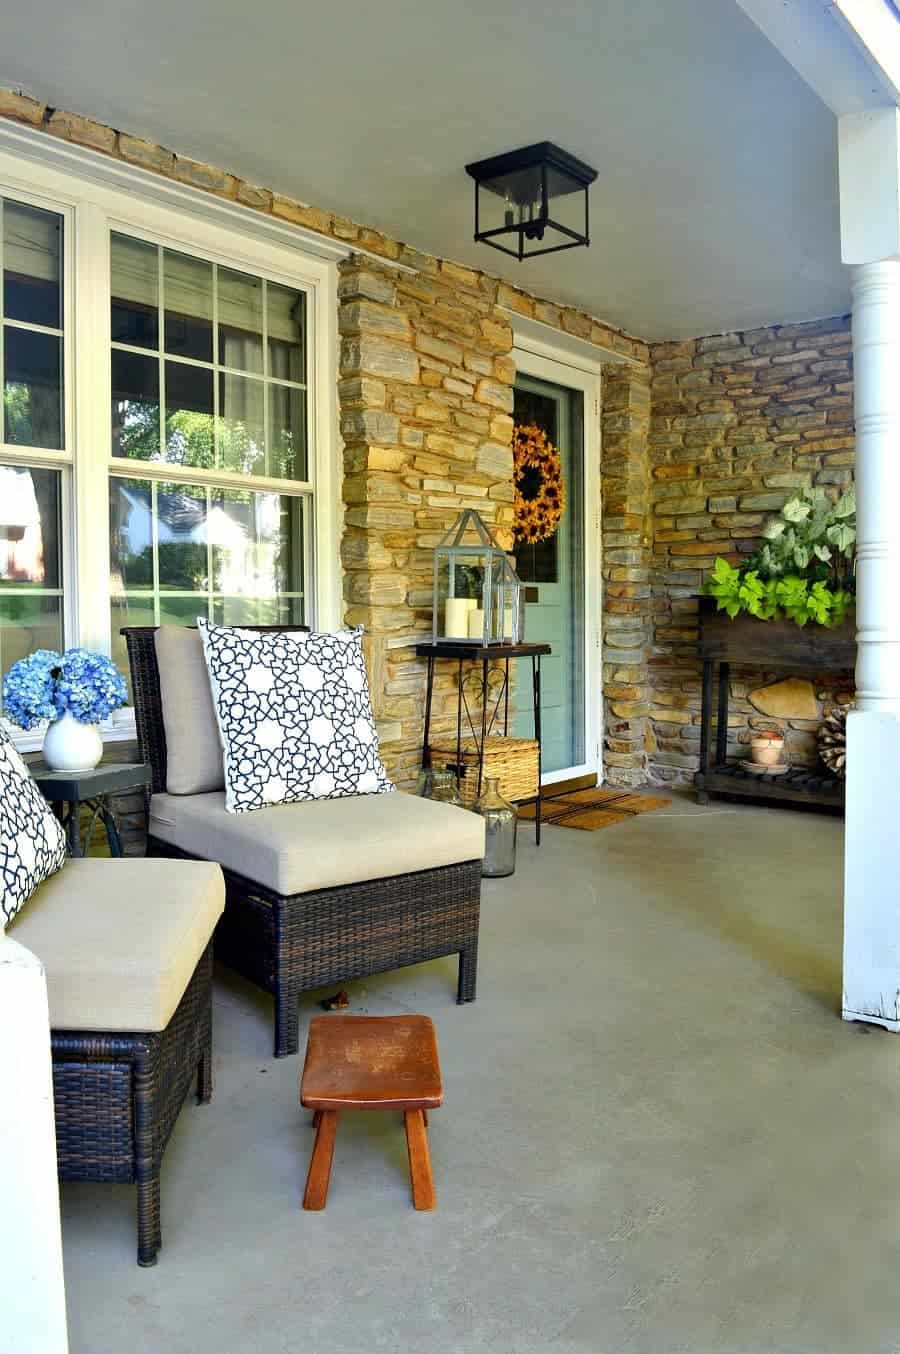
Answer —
425 395
739 423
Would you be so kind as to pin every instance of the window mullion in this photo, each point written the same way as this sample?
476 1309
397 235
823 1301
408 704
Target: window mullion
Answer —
161 340
89 331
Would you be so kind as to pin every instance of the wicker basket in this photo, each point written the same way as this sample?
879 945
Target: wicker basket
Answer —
512 761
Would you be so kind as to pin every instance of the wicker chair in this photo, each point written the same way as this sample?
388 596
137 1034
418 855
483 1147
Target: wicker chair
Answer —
131 1019
117 1096
293 943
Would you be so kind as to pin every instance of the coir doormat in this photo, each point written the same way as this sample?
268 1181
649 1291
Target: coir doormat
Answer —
589 810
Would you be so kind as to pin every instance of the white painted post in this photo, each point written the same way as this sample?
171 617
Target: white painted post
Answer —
870 240
32 1295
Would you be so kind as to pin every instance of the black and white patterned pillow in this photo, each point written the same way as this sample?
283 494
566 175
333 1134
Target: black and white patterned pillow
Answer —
294 716
32 843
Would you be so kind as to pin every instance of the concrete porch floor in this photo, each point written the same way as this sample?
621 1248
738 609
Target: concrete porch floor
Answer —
658 1136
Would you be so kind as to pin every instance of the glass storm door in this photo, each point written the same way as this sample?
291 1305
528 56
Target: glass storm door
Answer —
552 572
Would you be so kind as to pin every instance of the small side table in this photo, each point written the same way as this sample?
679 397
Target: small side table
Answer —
68 790
474 652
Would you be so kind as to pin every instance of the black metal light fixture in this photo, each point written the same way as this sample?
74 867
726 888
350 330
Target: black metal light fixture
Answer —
528 182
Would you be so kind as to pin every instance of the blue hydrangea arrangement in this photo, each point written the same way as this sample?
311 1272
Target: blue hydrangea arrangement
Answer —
46 685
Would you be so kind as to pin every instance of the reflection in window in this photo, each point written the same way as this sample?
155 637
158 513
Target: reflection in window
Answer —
225 351
31 315
182 551
30 580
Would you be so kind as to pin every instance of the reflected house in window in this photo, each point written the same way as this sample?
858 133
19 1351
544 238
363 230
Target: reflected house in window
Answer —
21 532
234 539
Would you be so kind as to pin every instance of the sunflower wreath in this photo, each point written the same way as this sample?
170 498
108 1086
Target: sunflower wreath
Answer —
540 494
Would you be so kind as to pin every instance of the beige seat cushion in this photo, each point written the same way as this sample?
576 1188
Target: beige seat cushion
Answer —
296 848
119 939
193 746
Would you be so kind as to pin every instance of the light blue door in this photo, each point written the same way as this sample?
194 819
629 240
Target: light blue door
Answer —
552 572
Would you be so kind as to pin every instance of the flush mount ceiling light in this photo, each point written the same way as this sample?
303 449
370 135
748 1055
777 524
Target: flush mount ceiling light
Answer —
532 201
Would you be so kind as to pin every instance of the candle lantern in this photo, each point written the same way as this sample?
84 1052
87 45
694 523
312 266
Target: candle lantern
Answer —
477 593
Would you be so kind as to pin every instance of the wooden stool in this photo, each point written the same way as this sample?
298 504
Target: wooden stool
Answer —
371 1063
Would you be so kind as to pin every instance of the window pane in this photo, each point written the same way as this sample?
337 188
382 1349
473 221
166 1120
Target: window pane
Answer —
287 433
255 541
286 312
181 529
134 268
32 393
187 284
128 610
130 535
29 527
135 406
256 544
240 320
241 425
26 624
182 610
32 265
189 415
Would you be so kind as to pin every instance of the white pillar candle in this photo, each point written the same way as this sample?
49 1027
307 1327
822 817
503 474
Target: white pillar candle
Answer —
508 624
456 617
476 623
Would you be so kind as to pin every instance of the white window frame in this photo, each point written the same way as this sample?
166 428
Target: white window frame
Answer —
95 196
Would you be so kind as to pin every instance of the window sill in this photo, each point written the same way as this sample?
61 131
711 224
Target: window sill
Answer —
119 729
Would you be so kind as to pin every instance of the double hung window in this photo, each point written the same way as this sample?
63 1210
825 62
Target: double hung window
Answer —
164 454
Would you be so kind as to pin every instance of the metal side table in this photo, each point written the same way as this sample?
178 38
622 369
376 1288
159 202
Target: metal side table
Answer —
491 715
68 790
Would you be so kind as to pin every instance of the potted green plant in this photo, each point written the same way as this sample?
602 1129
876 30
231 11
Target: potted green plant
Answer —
804 569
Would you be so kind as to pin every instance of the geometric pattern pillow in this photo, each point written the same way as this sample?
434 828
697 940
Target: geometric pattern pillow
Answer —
32 842
294 716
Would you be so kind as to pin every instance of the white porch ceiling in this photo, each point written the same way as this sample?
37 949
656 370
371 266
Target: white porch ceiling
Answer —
716 205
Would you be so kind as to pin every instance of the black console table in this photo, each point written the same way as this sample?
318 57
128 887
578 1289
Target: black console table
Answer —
748 642
486 655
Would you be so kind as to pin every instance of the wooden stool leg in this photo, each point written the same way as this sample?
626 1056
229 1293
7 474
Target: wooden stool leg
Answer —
320 1161
317 1115
419 1160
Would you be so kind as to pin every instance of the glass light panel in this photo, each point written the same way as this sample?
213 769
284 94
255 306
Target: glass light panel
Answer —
28 623
32 388
135 406
241 427
30 527
32 265
286 313
181 532
188 285
134 279
189 416
131 536
288 457
256 544
240 314
159 547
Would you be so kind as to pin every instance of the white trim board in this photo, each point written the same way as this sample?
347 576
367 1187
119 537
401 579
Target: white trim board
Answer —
43 149
557 368
534 336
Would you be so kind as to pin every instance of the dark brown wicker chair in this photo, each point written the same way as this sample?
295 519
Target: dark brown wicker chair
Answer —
288 944
117 1097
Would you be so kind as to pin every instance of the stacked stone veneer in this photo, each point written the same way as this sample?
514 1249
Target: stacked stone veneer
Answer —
739 423
700 441
426 394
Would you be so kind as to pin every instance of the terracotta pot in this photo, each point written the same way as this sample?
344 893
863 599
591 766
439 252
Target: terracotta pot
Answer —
767 749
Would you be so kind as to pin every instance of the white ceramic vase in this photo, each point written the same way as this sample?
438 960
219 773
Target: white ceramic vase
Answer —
70 745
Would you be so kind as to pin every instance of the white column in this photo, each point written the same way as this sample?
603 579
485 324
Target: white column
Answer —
32 1296
870 240
876 354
